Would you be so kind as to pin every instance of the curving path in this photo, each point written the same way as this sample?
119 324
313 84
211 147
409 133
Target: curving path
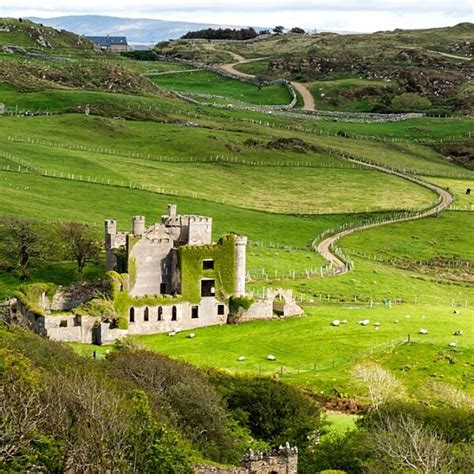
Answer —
324 248
305 93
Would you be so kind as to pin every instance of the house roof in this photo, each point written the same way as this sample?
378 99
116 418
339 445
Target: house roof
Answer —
105 41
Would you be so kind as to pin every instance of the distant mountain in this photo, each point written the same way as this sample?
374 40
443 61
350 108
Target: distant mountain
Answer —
140 31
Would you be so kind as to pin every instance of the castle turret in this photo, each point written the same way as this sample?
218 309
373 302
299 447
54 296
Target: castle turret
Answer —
138 225
240 265
110 226
172 208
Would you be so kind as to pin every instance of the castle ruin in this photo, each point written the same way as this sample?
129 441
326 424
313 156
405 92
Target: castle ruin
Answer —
167 277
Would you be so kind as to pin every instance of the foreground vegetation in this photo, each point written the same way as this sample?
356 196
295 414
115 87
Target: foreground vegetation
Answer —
60 410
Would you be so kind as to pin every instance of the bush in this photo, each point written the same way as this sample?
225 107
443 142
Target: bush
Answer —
184 394
273 411
410 102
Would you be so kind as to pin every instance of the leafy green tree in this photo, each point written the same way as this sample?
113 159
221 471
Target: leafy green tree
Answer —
23 241
297 31
273 411
153 448
278 30
81 244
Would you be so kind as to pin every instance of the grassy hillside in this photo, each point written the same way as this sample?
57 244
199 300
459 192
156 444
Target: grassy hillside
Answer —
31 36
434 63
203 82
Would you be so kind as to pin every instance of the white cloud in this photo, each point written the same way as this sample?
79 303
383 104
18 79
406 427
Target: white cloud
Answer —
353 15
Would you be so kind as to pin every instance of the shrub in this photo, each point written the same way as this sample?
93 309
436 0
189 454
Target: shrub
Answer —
409 102
273 411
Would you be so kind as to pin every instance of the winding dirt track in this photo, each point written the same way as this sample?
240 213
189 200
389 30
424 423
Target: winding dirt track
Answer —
305 93
324 248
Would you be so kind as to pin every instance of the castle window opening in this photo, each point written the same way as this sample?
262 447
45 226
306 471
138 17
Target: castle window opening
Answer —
146 314
195 312
220 309
160 314
174 314
63 323
208 287
132 315
163 288
208 264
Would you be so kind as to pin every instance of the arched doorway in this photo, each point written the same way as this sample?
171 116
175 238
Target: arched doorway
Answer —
146 314
160 313
279 303
132 315
174 314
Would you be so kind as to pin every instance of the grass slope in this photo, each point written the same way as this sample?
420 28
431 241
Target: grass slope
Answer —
204 82
312 353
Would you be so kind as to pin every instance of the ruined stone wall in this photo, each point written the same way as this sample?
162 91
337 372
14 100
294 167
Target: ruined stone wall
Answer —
67 298
70 328
208 310
267 464
265 308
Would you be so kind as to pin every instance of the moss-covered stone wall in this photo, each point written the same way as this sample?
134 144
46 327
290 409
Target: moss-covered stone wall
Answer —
191 257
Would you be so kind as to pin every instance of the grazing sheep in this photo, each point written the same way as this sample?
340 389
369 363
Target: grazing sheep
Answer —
364 322
456 311
423 331
271 357
458 332
377 324
336 322
191 335
452 344
344 321
241 359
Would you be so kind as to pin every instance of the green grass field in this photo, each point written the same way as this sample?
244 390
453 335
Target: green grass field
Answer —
204 82
312 353
447 236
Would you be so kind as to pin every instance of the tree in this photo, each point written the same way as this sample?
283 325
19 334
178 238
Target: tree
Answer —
21 411
273 411
81 243
381 384
297 31
278 30
23 240
404 444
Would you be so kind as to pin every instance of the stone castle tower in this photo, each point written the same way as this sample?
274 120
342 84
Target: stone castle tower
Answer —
153 255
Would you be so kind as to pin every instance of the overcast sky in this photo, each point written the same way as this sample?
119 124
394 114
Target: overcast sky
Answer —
351 15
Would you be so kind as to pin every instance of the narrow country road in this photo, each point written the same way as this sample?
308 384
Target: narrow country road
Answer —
306 94
324 248
302 89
